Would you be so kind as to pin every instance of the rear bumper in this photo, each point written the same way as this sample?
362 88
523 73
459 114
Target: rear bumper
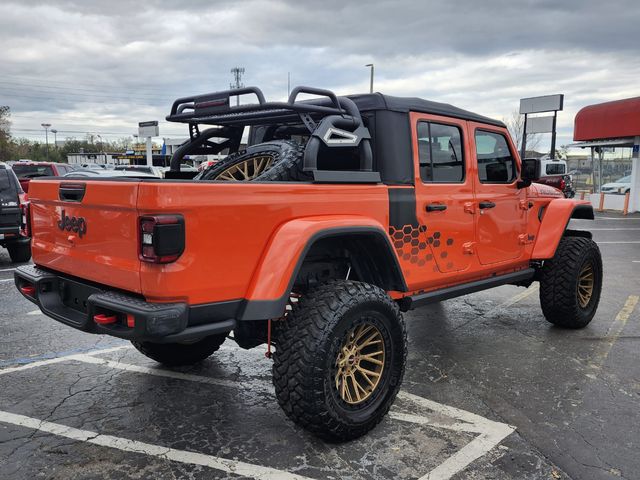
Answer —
76 303
9 229
13 239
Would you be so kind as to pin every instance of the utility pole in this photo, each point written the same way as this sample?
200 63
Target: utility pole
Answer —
371 81
100 148
46 133
288 84
237 73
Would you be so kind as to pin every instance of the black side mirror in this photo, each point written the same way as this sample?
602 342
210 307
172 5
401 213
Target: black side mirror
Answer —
530 172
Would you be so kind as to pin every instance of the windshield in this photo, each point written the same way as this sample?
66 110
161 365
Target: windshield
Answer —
30 171
626 179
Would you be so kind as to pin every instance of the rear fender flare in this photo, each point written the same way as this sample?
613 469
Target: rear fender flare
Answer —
555 220
273 279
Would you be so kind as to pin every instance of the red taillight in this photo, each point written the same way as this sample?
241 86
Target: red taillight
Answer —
161 238
563 184
29 290
131 321
103 319
25 224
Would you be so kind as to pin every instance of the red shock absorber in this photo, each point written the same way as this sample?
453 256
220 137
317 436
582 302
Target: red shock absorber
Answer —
268 353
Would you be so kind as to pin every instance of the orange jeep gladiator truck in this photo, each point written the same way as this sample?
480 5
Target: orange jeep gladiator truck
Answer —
341 213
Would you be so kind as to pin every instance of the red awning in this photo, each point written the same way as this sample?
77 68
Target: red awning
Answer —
608 120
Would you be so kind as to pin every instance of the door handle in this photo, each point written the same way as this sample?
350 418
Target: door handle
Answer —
486 205
436 207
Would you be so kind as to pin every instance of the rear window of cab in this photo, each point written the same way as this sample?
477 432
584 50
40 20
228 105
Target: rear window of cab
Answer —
30 171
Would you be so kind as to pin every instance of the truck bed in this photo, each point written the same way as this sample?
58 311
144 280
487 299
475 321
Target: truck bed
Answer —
227 227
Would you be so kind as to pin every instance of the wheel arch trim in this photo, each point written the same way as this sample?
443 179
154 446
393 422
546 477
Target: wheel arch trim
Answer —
555 221
274 277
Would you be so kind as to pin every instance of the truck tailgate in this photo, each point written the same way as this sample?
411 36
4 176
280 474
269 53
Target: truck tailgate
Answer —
88 229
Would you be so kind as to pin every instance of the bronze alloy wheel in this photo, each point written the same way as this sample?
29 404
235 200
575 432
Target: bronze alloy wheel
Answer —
359 363
586 280
247 169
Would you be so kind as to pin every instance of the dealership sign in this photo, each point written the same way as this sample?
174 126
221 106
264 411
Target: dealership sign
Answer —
545 124
148 129
546 103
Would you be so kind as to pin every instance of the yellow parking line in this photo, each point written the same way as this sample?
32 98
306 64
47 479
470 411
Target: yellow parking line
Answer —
615 330
534 288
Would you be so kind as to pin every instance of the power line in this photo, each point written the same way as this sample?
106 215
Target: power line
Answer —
73 84
102 132
75 89
13 92
95 130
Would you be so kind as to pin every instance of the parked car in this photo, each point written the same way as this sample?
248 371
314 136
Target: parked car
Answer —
91 166
28 170
553 167
315 237
554 173
14 235
96 173
620 186
183 168
148 169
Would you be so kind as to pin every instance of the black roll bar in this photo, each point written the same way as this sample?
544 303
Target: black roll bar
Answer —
340 124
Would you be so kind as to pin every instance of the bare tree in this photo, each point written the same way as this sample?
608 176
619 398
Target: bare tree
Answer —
515 124
5 133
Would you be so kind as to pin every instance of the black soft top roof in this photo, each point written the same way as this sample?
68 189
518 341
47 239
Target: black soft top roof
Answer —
216 109
379 101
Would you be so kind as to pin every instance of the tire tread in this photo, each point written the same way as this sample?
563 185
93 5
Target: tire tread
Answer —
297 370
558 283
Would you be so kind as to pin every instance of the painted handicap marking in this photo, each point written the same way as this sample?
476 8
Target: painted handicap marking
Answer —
28 363
488 433
166 453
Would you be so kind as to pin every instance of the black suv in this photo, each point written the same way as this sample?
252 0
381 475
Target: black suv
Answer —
13 235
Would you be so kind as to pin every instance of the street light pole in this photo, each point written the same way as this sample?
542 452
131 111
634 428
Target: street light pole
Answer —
371 82
55 138
46 133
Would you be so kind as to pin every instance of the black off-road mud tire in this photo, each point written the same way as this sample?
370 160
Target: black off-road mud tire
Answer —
559 279
285 167
20 253
308 342
176 354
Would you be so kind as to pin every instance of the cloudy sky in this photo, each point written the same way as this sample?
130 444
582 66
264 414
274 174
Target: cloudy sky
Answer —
100 67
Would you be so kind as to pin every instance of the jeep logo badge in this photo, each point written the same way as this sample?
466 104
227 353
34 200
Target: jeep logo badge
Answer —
73 224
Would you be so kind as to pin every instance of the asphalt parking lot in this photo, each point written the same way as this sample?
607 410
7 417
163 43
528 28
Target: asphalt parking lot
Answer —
491 391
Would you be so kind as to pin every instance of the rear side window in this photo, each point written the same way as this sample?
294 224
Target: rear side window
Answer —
440 153
32 171
555 169
495 161
8 188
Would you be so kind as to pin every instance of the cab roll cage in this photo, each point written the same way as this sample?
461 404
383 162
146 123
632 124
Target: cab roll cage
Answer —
331 121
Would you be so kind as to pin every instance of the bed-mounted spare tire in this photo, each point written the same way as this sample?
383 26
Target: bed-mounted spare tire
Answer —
275 161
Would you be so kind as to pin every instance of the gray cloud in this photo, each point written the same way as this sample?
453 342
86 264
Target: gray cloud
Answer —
103 66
